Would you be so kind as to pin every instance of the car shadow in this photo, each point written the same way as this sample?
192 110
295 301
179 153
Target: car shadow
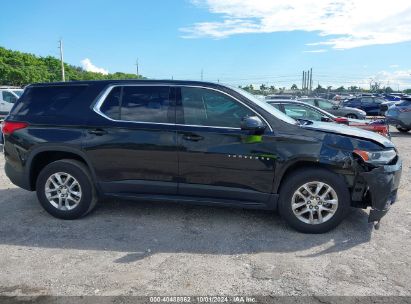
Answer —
140 229
400 134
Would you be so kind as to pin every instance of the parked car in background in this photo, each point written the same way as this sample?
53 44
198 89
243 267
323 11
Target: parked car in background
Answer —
279 96
391 97
8 96
304 111
337 98
399 115
335 109
193 142
369 104
385 106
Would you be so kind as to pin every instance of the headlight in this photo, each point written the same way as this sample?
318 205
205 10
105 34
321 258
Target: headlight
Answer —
378 157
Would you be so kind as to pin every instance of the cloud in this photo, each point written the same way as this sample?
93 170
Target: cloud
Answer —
395 79
90 67
342 24
316 51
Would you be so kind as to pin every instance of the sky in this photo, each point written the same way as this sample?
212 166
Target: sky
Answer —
239 42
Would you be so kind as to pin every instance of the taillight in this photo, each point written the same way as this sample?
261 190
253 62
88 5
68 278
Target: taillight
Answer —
342 120
8 127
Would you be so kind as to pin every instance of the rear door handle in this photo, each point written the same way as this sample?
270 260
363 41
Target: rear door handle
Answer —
98 132
193 137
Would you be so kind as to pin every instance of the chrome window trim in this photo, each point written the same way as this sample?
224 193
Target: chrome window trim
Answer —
102 98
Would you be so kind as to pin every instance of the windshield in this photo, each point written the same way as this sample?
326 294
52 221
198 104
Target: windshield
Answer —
262 104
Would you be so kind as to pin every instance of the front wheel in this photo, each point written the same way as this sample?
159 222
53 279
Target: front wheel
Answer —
314 200
65 189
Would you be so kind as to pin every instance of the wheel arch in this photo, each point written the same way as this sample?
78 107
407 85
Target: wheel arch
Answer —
299 165
43 156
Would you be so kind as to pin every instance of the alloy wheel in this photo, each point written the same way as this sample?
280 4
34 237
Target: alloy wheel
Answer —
63 191
314 203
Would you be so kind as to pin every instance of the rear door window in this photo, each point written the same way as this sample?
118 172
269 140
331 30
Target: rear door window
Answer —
146 104
9 97
111 105
297 111
324 104
367 100
149 104
310 101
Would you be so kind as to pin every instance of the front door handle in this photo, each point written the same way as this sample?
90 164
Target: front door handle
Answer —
193 137
98 132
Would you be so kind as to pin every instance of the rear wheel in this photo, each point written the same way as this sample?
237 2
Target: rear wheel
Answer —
314 200
65 189
353 116
401 129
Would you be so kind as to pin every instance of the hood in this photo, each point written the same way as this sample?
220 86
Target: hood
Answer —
349 131
354 109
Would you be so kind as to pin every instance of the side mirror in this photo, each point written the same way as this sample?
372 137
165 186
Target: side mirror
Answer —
253 124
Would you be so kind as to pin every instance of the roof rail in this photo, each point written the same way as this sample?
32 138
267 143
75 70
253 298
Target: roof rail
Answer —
9 87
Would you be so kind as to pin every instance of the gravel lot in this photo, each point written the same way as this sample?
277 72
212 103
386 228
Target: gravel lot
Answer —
128 248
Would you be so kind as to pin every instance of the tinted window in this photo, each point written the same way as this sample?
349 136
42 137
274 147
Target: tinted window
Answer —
367 100
275 105
300 112
324 104
404 103
49 100
309 101
145 104
9 97
210 108
111 105
18 92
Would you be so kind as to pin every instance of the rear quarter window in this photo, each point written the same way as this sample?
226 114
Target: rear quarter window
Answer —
50 100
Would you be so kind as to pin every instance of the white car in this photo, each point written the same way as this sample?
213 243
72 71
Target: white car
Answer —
8 96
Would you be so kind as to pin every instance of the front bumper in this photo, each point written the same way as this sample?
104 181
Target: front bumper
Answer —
383 183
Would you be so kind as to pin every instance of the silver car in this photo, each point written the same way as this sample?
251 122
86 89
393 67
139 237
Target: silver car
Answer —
399 115
335 109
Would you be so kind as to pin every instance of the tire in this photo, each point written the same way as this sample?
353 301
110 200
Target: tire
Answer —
401 129
295 181
353 116
74 206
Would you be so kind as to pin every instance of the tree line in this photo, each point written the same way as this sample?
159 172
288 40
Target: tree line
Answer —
267 90
20 69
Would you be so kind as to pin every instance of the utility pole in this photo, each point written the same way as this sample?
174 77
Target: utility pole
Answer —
311 80
63 77
137 67
303 87
302 84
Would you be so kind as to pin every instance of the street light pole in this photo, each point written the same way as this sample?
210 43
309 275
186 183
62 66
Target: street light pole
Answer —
63 76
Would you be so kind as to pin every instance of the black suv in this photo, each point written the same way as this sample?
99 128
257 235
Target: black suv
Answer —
191 142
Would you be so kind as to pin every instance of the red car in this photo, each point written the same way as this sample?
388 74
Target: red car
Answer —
303 111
